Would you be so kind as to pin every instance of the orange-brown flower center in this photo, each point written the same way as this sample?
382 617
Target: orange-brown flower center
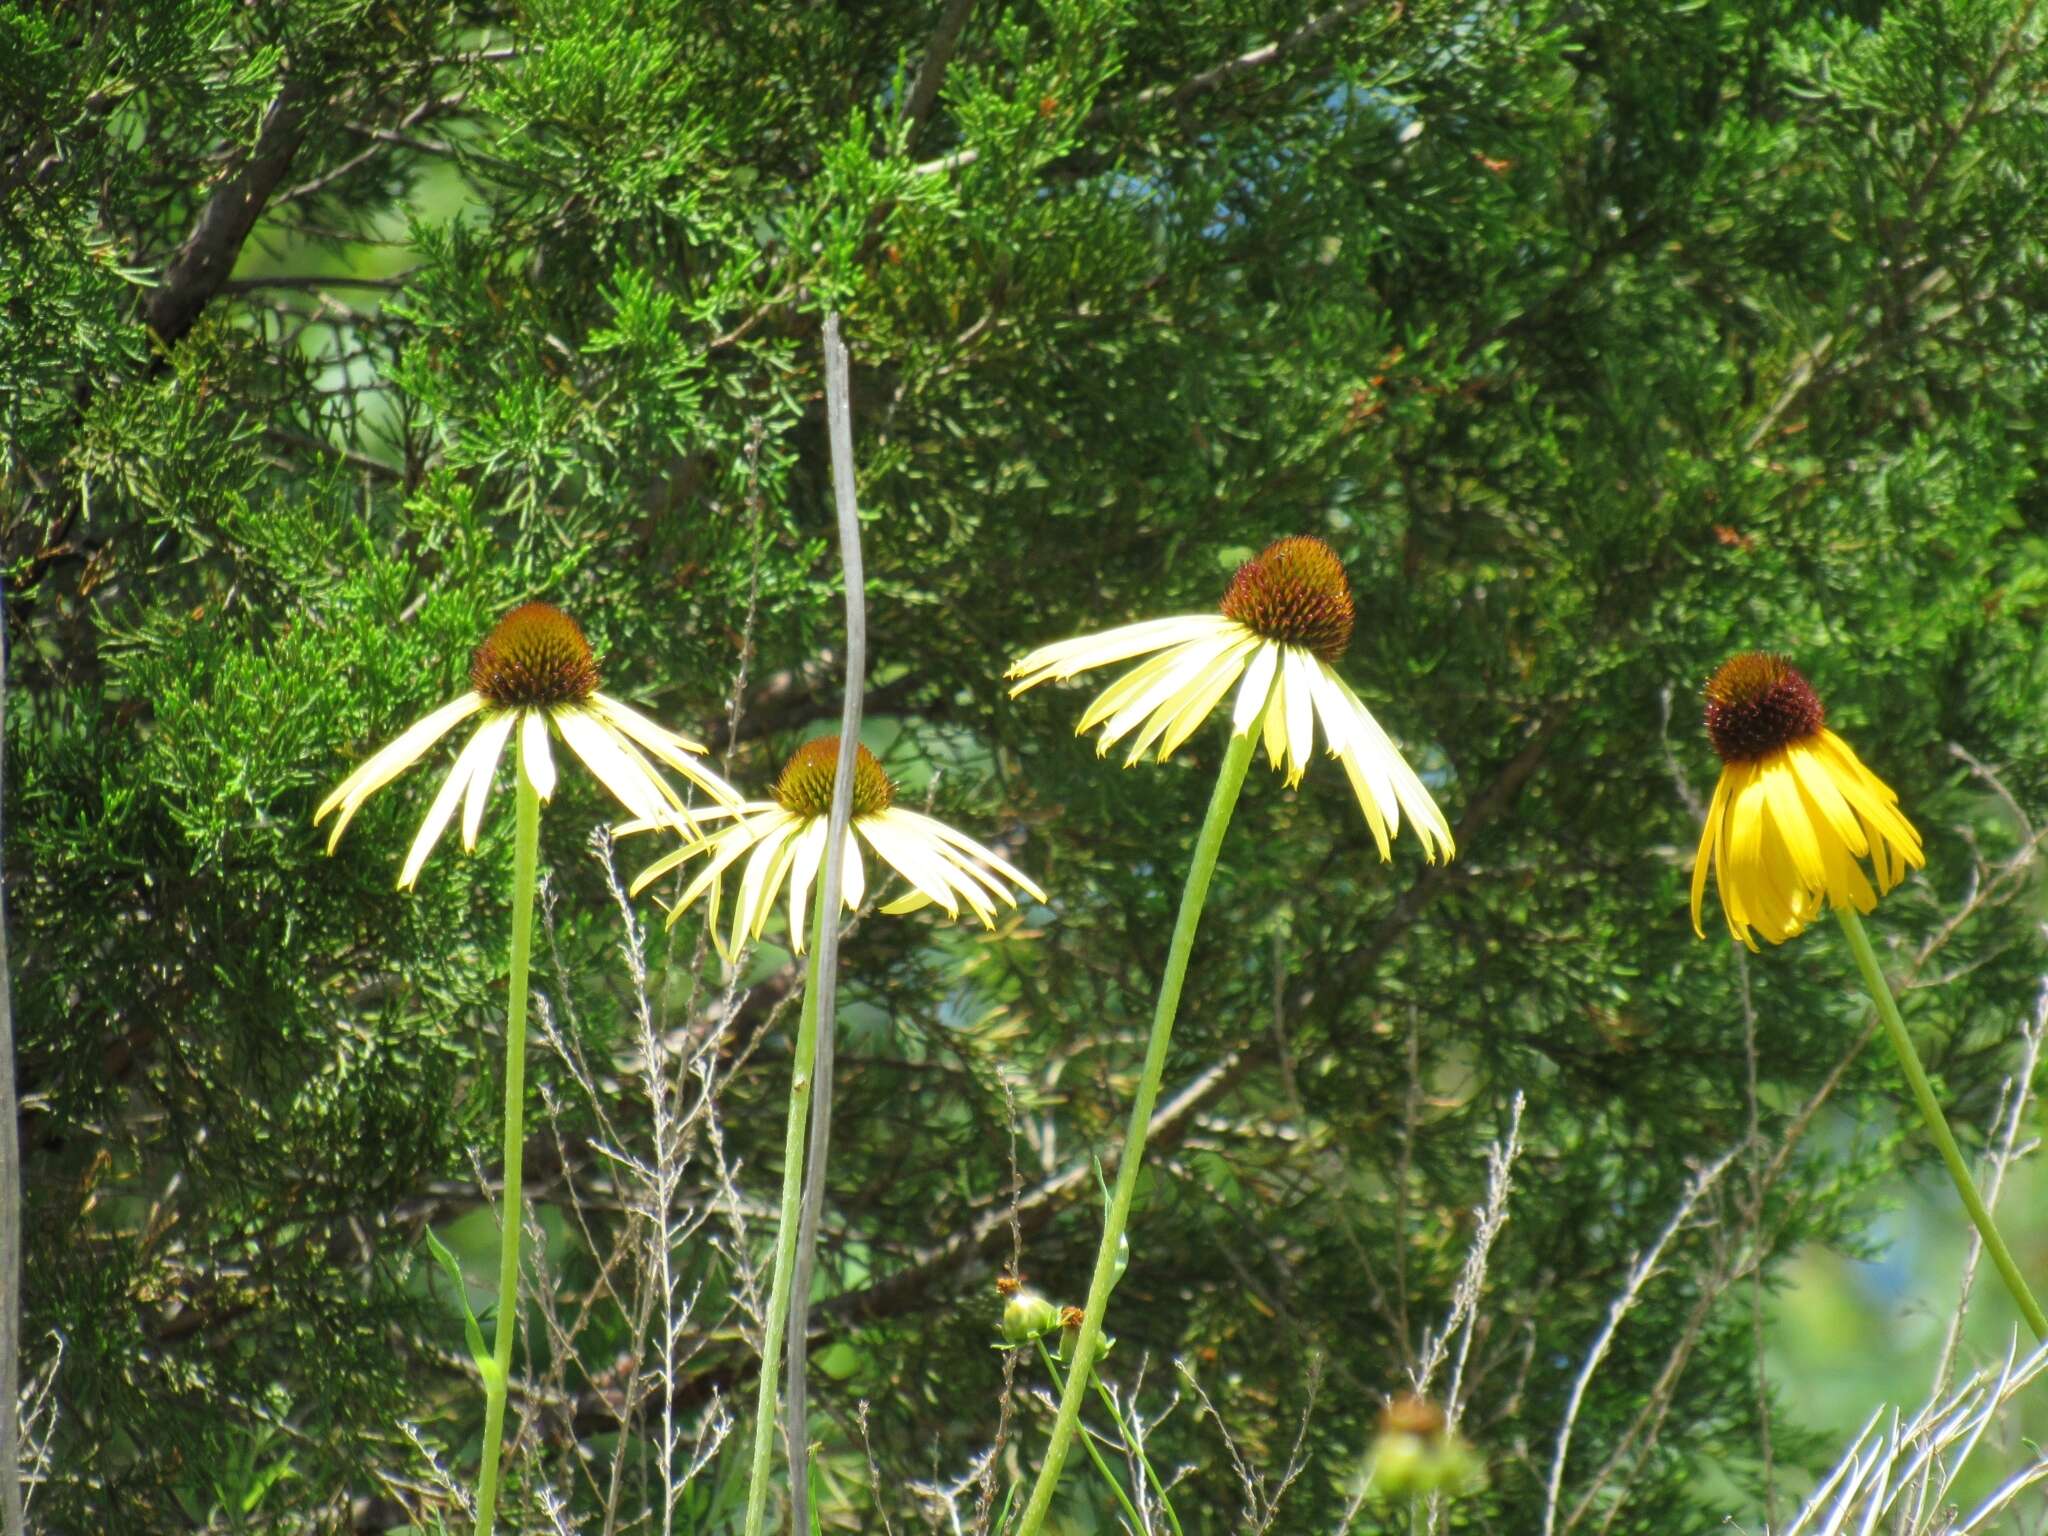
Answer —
1294 592
536 657
1408 1414
1757 704
805 788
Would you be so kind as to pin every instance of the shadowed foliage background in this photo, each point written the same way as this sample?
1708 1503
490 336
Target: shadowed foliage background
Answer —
1599 341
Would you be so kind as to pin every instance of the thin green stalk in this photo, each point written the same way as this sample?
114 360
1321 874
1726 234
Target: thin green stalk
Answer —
1937 1123
1095 1455
498 1372
1130 1441
785 1240
1131 1445
1229 780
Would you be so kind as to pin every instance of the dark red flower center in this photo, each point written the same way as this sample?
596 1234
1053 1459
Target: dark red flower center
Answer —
535 658
1757 704
1294 592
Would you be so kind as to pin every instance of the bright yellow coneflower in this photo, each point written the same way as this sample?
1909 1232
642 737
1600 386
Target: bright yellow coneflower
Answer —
1286 617
1795 810
533 671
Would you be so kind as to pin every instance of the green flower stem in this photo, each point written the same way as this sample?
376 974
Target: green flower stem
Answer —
1229 780
785 1239
1937 1123
1088 1444
497 1372
1130 1443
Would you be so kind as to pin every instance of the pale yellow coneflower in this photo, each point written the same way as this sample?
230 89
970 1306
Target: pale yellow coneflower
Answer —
784 839
533 671
1286 617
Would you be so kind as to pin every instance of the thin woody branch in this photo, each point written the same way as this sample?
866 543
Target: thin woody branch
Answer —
201 266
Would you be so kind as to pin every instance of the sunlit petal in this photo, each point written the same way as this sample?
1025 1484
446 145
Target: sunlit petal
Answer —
389 761
489 743
535 756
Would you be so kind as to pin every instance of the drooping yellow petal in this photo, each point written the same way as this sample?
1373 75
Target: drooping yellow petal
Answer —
1192 701
931 827
1300 693
1276 718
489 743
853 875
389 761
1709 840
1133 684
725 849
1183 675
1197 706
911 859
1374 763
534 753
629 779
804 868
1874 801
1817 779
436 822
677 751
1808 871
1066 657
757 890
1257 691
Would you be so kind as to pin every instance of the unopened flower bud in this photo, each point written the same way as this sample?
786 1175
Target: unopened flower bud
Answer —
1416 1454
1026 1315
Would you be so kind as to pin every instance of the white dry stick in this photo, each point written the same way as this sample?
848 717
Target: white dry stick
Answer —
1500 1166
1639 1275
1881 1471
945 1499
2016 1096
839 433
12 1513
37 1415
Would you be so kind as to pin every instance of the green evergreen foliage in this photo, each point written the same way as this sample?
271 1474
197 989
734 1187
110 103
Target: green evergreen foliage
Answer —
1600 341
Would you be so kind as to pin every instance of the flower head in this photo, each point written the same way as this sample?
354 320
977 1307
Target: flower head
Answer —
533 671
784 838
1417 1453
1287 616
1795 809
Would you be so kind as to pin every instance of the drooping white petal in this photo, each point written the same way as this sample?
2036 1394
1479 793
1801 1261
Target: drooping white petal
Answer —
534 754
489 743
389 761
